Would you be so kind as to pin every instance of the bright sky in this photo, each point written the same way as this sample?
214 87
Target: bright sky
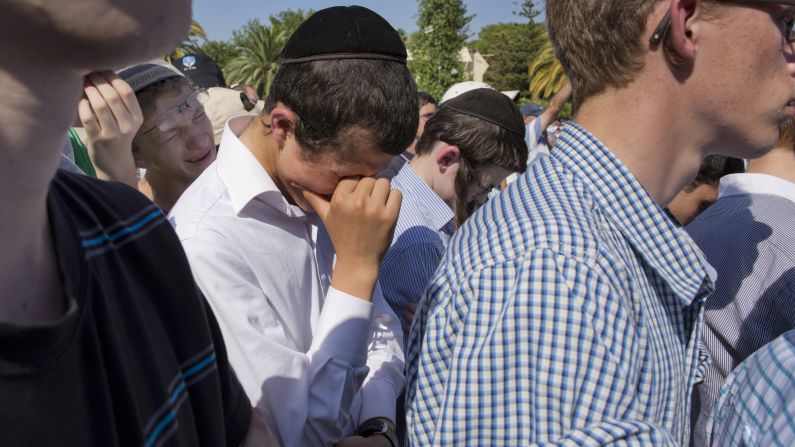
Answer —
220 17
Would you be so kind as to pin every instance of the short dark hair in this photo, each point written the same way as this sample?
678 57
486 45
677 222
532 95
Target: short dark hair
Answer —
481 143
334 99
714 167
148 96
171 86
425 98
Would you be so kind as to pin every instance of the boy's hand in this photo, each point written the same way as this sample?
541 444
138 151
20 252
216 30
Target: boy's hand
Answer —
111 117
360 219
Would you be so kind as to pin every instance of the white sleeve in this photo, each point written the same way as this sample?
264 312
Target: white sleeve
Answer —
386 360
305 397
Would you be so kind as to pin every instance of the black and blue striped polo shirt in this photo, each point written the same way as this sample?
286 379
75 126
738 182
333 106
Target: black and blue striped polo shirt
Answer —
138 358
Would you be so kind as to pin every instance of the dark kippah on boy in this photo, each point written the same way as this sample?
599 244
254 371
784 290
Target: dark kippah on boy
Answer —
286 230
468 147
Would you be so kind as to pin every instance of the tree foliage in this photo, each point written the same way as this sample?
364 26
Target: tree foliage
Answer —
260 47
546 74
192 43
509 49
220 51
435 49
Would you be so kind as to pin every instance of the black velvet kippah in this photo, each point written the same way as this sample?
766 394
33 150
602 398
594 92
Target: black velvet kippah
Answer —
344 32
489 105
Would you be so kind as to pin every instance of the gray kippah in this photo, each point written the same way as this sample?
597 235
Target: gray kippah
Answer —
143 75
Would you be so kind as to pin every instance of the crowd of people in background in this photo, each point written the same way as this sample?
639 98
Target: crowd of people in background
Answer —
348 261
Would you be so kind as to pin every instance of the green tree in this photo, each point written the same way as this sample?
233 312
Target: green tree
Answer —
192 43
289 20
546 74
220 51
260 47
508 48
435 50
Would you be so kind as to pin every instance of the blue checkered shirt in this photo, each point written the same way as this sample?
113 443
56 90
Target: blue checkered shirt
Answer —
422 233
756 406
566 311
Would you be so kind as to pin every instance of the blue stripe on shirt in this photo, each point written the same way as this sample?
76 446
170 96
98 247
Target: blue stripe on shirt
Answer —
122 232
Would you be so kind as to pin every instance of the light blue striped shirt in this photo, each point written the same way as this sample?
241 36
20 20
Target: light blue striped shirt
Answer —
748 236
756 406
566 310
422 233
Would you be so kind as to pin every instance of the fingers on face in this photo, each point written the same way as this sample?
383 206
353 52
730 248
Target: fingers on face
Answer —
317 202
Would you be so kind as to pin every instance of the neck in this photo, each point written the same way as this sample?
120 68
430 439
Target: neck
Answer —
660 146
259 141
166 189
779 162
35 115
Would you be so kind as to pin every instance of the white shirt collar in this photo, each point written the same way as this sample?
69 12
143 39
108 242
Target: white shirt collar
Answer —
245 178
741 184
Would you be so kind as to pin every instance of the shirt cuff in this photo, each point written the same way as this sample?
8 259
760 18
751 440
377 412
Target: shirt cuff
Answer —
342 329
379 399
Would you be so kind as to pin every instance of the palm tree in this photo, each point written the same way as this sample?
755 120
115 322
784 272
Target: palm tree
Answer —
546 74
191 45
260 48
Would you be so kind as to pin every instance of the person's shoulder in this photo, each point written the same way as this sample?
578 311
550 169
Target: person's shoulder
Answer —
205 200
546 208
742 219
89 191
110 216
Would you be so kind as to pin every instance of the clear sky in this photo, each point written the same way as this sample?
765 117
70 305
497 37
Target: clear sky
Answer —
220 17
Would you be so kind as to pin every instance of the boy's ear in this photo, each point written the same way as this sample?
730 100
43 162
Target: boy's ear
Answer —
446 156
282 122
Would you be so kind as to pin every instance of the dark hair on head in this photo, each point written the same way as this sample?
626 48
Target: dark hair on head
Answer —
425 98
335 100
714 167
148 96
171 86
481 144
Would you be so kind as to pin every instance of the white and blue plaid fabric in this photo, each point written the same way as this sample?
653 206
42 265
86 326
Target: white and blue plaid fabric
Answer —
567 310
756 406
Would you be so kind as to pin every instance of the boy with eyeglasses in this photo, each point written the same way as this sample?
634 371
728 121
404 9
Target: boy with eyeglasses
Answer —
175 142
568 310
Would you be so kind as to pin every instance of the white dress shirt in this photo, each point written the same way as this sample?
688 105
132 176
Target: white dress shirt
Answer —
300 348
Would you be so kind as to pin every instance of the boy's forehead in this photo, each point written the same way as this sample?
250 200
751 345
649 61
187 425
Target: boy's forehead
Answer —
360 150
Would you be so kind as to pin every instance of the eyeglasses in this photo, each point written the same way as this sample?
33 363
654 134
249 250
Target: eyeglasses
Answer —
173 117
789 24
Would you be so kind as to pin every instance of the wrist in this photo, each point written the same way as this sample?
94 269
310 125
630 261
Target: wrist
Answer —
357 279
381 427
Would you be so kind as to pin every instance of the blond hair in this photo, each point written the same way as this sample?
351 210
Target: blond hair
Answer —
600 43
